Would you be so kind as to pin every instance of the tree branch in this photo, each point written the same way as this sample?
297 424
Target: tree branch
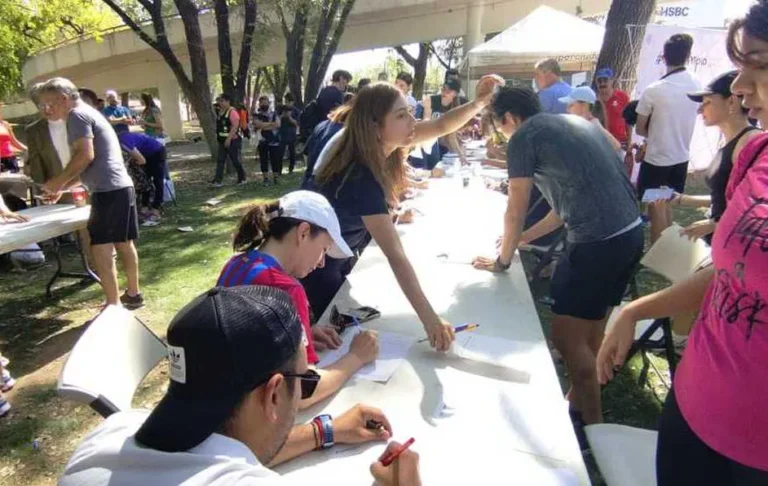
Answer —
437 56
338 32
407 57
133 25
249 27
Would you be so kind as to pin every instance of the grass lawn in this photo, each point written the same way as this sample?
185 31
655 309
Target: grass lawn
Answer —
36 333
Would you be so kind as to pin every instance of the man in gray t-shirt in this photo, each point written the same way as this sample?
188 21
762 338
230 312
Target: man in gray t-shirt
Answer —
571 161
97 162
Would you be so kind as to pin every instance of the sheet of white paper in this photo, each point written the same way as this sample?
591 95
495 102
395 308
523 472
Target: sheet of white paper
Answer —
651 195
497 351
674 256
436 445
393 348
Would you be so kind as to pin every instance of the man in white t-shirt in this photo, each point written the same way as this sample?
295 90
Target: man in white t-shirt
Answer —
666 117
238 369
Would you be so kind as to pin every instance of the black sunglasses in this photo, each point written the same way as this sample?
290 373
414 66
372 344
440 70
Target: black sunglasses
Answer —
309 381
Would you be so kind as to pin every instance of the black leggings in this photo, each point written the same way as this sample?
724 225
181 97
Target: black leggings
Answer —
683 458
289 147
155 168
271 155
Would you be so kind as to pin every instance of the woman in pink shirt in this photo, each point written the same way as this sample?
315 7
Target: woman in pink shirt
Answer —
9 147
714 428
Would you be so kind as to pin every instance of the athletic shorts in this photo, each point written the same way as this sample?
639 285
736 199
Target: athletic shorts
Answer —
113 217
652 177
591 277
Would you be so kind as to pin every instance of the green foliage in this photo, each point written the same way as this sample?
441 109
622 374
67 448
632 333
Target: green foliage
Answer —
29 25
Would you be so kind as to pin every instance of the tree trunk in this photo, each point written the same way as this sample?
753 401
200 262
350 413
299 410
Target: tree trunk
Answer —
322 53
618 53
294 46
246 48
199 94
224 44
419 65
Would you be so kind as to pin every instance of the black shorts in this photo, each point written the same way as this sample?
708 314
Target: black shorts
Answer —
591 277
653 177
113 217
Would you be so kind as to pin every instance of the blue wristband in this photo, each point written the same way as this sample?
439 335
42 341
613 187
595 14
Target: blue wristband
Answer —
327 422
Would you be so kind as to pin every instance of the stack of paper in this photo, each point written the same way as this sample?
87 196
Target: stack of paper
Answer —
393 348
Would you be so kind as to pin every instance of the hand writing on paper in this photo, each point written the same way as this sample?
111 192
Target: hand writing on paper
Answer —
404 471
441 335
350 428
326 337
365 346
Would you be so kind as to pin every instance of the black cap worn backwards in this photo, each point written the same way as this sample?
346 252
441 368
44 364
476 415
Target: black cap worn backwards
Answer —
720 85
222 345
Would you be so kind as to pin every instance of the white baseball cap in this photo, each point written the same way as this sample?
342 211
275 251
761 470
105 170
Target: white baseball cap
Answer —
582 93
314 208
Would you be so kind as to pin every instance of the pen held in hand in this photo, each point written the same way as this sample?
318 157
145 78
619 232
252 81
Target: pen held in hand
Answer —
465 327
390 458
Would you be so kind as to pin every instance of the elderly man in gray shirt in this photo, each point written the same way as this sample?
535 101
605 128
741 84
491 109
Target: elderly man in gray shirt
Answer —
97 160
582 178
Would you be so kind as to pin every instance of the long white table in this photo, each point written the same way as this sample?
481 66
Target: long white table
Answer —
48 223
502 417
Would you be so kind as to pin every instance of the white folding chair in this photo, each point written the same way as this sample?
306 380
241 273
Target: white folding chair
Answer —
626 456
109 361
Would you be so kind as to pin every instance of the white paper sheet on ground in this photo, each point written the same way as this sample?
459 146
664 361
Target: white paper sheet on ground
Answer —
447 456
663 193
675 256
393 348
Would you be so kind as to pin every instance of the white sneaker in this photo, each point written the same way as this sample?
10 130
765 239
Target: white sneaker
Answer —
7 382
4 362
5 407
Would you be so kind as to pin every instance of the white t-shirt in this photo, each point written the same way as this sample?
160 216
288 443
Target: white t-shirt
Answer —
673 117
110 456
58 131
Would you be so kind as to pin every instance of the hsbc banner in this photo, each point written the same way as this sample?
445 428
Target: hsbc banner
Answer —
708 60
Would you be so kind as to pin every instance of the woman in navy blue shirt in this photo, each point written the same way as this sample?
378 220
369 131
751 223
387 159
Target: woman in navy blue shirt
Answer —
362 178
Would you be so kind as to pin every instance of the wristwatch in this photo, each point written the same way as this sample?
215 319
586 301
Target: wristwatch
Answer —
499 266
325 425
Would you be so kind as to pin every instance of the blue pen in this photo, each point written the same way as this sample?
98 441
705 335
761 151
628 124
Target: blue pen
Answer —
465 327
356 321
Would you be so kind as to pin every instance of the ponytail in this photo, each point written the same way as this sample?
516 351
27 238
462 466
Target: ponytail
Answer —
265 221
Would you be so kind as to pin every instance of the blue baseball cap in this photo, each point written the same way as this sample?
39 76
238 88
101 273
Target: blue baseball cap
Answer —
582 93
604 73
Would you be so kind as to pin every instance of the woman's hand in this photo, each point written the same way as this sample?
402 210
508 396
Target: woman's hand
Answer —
326 337
365 346
616 344
441 335
486 87
699 229
8 216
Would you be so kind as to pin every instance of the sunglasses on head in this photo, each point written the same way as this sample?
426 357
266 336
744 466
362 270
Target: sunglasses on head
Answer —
309 381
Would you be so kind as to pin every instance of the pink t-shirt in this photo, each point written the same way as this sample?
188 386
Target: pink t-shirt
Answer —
722 382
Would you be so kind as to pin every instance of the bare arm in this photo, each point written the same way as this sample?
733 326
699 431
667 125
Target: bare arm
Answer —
681 298
14 141
545 226
82 156
641 128
456 118
333 378
158 123
137 156
383 231
514 217
427 104
692 201
301 440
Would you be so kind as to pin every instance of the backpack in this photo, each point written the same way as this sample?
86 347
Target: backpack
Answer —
309 119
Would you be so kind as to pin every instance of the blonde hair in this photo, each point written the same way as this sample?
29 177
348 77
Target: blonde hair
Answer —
360 143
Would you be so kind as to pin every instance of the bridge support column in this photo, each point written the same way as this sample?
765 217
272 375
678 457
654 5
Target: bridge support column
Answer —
171 107
473 38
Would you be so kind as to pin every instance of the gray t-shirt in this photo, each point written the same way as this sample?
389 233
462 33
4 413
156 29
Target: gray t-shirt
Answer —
107 171
578 172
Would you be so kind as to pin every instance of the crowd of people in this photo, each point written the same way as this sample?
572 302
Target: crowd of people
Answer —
245 352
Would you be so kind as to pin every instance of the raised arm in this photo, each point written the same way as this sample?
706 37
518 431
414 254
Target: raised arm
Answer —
459 116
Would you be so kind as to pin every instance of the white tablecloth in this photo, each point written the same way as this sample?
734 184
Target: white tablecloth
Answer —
45 222
473 422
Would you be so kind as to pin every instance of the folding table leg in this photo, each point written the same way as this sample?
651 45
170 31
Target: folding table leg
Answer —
60 273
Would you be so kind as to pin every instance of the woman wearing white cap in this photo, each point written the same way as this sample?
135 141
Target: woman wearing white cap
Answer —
581 102
282 241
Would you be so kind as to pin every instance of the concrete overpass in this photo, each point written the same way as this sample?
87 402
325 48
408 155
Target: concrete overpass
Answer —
122 61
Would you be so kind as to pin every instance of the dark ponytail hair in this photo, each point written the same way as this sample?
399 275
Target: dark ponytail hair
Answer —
265 221
755 24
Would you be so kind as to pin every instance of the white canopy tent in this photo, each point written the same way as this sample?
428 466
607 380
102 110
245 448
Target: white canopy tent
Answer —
545 32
